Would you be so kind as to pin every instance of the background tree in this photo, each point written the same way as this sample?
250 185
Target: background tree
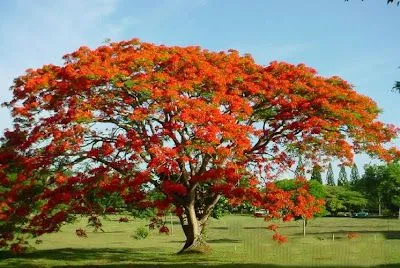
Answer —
354 175
315 188
389 187
330 177
342 199
316 174
342 180
369 186
191 124
300 171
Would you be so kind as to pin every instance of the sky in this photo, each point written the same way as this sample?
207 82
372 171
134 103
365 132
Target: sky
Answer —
357 40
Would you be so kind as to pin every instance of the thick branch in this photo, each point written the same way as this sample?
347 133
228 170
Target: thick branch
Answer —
208 209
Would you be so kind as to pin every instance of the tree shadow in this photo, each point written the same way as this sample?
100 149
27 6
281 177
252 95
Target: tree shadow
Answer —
109 255
224 240
220 228
265 227
107 232
387 234
144 258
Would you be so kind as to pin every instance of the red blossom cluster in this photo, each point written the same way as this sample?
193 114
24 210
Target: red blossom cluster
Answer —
290 204
172 188
352 235
272 227
279 238
164 230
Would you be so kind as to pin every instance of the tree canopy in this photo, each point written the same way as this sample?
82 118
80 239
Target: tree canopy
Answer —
342 199
190 123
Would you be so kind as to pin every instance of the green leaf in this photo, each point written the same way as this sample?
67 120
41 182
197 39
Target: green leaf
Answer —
130 83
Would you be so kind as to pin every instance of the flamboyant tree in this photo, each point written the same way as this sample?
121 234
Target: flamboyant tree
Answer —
130 118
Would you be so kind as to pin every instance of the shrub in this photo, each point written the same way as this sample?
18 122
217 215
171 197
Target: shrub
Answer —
141 233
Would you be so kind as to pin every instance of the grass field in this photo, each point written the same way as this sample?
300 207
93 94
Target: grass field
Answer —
237 241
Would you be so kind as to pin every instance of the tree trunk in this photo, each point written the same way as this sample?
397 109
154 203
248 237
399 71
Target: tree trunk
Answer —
379 206
304 226
399 213
192 228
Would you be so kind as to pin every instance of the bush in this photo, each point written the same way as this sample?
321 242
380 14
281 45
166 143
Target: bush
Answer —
141 233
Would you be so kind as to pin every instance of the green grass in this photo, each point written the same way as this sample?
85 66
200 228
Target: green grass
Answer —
237 241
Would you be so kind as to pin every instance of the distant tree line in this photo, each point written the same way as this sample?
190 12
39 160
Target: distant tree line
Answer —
377 190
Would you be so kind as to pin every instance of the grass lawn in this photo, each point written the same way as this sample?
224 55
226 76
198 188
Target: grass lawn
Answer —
237 241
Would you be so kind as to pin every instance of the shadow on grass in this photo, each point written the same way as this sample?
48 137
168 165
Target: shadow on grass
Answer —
265 227
224 240
220 228
233 265
387 234
106 255
145 258
212 241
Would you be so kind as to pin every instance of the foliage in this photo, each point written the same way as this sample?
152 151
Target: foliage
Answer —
342 199
330 177
390 187
141 233
342 180
143 213
369 185
221 208
393 1
396 86
115 124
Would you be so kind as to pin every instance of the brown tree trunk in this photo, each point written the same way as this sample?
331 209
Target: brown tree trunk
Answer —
379 206
192 228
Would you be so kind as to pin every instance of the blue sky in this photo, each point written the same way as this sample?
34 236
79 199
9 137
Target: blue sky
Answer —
356 40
